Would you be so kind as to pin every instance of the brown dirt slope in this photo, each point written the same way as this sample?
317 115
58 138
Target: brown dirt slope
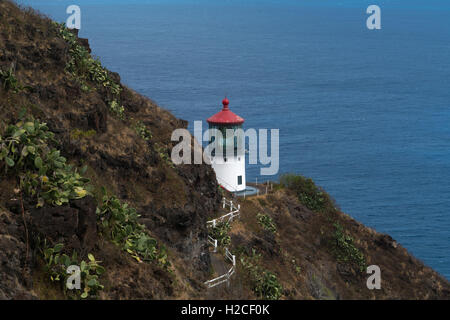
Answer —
298 261
302 254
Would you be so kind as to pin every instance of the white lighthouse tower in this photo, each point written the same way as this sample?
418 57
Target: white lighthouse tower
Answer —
229 168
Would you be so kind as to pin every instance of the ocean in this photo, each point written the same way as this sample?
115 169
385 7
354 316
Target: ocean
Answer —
365 113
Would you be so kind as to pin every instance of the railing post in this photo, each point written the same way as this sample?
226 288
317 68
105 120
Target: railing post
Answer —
234 211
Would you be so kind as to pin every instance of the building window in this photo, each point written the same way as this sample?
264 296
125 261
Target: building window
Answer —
239 180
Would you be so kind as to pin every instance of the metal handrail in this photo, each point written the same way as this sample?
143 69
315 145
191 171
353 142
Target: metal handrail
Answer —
213 241
225 277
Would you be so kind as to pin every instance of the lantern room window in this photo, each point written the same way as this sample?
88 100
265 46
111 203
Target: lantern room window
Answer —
224 142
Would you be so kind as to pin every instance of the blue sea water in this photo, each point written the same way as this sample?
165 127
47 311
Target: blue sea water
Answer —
364 113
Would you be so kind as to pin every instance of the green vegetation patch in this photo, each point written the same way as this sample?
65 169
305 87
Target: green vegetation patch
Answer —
83 67
26 150
264 283
9 81
344 249
142 130
117 109
120 223
267 223
57 264
220 233
164 155
312 196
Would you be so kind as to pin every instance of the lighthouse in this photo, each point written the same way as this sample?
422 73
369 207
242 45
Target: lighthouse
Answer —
228 166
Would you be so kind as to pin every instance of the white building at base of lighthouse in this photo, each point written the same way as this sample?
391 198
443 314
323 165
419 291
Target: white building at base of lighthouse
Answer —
230 173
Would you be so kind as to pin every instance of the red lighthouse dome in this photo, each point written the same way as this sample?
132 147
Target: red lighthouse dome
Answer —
226 116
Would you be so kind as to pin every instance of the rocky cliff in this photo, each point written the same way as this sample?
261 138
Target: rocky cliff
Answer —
86 176
173 201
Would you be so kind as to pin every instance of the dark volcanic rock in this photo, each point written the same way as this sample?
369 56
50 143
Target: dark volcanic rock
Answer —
85 43
15 277
87 221
58 50
97 118
184 228
74 225
386 242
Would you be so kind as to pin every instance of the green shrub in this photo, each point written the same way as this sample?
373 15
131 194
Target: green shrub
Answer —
344 248
164 155
267 223
26 148
57 262
264 283
312 196
142 130
120 223
84 68
9 81
220 233
117 109
268 286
